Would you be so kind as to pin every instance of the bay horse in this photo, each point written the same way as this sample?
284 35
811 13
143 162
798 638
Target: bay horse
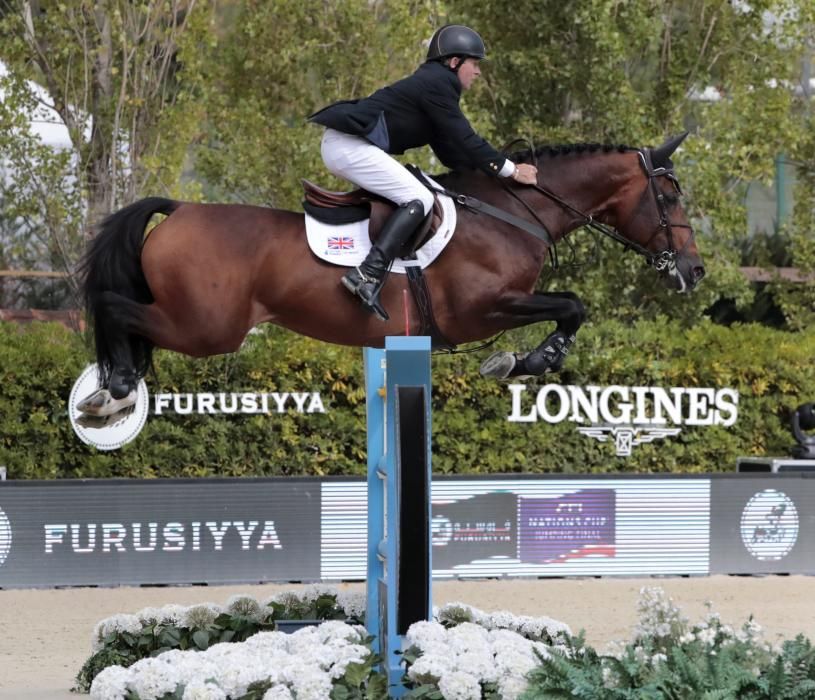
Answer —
208 273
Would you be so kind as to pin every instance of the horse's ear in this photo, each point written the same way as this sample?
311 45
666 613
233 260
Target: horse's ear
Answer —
661 154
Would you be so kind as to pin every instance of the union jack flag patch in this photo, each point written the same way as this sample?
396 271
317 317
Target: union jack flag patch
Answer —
340 243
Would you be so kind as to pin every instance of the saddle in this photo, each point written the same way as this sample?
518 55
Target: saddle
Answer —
337 208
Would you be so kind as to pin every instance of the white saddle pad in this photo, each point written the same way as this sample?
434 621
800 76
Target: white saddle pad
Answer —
348 244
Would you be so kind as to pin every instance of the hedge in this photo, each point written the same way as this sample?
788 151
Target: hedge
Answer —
773 371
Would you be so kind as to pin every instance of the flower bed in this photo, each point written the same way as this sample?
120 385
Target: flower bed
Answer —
122 640
463 654
209 651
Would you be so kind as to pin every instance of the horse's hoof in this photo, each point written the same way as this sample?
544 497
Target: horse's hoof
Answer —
88 421
101 403
499 365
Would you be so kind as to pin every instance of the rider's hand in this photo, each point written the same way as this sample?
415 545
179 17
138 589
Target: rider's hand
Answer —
526 174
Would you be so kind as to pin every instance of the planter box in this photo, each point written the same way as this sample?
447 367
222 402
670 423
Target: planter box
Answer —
289 626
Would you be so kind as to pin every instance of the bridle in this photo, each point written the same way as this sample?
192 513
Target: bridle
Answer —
661 261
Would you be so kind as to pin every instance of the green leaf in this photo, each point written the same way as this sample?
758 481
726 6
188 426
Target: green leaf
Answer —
201 639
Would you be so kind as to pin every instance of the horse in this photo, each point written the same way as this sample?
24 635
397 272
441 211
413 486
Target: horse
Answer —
209 273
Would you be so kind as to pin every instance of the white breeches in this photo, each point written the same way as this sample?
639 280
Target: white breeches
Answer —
369 167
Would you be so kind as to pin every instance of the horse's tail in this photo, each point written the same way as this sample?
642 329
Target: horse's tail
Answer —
115 289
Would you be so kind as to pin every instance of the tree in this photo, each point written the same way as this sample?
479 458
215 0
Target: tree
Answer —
280 61
613 72
112 73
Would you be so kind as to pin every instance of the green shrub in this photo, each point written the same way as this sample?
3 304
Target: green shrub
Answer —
668 658
772 370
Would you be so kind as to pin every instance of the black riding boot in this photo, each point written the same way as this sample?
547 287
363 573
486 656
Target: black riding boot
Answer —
367 280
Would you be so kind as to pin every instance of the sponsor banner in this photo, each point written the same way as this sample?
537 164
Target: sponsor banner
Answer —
539 527
624 416
74 533
763 525
111 432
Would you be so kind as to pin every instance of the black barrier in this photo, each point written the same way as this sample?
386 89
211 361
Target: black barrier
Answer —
413 581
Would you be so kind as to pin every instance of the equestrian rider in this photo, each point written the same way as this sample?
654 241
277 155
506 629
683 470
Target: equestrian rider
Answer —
422 109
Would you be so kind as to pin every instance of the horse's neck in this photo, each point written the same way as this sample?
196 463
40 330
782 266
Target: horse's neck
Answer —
587 183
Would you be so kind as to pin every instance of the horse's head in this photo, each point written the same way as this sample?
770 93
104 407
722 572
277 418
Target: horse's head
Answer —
651 218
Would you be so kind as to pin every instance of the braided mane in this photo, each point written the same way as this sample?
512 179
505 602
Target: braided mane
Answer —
555 150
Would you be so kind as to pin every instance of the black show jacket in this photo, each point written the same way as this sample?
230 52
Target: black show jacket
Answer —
422 109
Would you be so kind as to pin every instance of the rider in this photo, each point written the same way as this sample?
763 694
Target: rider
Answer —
422 109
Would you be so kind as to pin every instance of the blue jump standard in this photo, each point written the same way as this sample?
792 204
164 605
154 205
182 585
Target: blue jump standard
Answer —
397 383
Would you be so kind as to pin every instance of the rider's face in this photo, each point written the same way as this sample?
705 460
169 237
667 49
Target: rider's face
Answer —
467 72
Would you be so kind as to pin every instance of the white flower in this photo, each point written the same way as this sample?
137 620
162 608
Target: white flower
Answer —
610 679
353 603
537 627
335 629
278 692
245 606
514 664
117 623
202 690
500 619
200 616
468 637
424 633
312 685
511 687
153 677
658 616
110 684
316 590
455 612
429 669
750 630
460 685
172 614
707 636
481 665
150 616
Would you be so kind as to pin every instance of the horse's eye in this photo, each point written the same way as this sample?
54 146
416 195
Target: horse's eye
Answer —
671 199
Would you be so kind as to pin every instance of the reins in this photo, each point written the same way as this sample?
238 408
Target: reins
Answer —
659 261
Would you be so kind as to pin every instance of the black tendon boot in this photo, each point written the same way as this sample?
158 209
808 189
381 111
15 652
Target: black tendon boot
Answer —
547 357
122 382
366 280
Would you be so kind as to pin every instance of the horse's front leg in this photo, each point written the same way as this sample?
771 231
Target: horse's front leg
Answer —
563 307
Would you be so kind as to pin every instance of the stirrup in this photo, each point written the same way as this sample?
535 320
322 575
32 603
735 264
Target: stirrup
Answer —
367 288
354 279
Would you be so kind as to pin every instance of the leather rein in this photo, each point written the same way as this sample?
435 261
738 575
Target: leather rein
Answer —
664 260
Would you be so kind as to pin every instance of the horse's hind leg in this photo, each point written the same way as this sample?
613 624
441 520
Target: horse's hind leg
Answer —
563 307
123 355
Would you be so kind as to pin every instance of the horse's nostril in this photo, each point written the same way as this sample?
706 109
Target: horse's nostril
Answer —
698 273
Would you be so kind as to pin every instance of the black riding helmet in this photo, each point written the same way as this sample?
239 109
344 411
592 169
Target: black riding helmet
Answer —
455 40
